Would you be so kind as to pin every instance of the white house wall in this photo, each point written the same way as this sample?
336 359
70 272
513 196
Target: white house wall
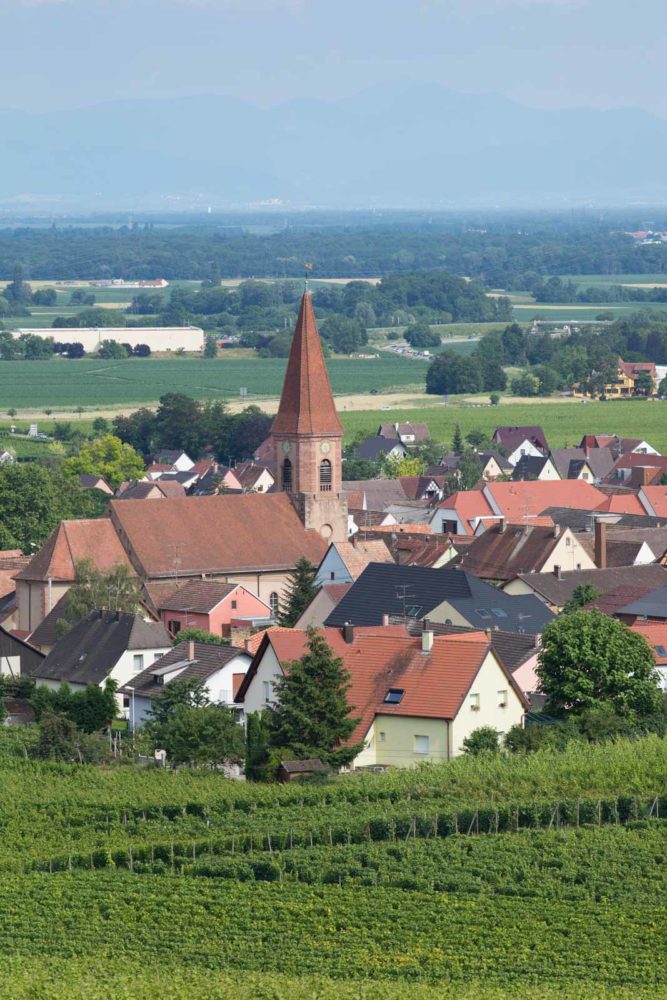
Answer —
268 671
490 680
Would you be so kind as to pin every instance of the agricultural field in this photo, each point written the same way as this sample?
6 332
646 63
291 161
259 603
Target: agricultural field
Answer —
530 876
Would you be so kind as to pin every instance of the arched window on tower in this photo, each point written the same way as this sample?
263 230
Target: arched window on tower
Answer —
325 475
287 474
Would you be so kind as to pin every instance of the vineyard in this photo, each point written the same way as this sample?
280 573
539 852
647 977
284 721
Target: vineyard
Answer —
526 876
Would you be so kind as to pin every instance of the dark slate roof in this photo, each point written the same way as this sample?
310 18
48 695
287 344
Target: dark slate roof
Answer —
653 605
486 456
558 591
511 437
511 648
91 649
504 550
583 520
45 633
529 467
380 588
375 446
11 645
208 659
569 460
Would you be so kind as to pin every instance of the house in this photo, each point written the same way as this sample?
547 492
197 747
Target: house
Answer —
157 469
423 487
535 467
343 562
406 433
445 595
220 668
418 548
504 550
210 605
373 494
265 454
617 445
494 465
17 656
91 482
624 466
12 561
591 465
322 604
375 447
654 500
186 480
517 501
652 607
157 489
105 645
176 459
633 378
363 520
556 588
216 479
254 478
416 698
461 513
6 457
518 441
655 633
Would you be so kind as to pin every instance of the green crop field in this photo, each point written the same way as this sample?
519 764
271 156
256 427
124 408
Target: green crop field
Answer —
564 423
525 313
526 876
616 279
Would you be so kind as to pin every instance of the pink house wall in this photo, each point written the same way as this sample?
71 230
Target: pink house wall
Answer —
218 620
526 676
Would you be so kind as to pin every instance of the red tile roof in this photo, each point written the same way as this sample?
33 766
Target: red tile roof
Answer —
468 504
518 499
657 498
621 503
655 634
306 404
73 541
215 534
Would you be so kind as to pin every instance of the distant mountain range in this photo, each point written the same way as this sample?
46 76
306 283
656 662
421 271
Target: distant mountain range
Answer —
393 145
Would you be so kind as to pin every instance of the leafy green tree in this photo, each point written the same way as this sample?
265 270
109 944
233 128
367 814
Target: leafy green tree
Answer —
139 430
111 349
457 441
100 426
582 595
345 335
93 589
589 659
360 468
18 291
200 635
45 297
662 388
174 696
514 344
469 469
480 741
450 372
203 736
108 457
403 465
420 335
494 398
178 423
211 346
257 746
479 440
34 499
90 710
525 385
311 716
300 591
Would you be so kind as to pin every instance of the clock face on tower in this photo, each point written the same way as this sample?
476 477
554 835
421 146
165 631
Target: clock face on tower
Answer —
325 447
286 447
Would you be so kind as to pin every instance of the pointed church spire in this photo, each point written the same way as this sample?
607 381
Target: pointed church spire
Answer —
306 403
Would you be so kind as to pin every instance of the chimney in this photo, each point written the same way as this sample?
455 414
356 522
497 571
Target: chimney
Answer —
191 649
385 619
427 641
557 573
502 527
600 544
348 632
556 530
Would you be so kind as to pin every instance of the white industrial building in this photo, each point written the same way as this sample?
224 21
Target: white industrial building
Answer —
158 338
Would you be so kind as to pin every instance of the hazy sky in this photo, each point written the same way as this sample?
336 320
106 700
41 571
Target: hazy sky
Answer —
545 53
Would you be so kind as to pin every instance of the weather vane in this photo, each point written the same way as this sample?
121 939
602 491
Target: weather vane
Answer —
308 269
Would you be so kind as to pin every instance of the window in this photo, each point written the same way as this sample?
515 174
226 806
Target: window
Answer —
267 691
174 626
483 613
156 657
382 737
138 662
273 602
502 698
421 744
287 474
474 702
394 696
498 612
233 605
325 475
661 651
568 540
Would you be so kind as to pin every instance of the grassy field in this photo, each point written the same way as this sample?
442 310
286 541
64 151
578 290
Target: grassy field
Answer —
525 313
616 279
563 423
142 884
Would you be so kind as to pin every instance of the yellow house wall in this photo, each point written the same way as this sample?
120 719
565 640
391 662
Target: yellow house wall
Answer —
398 745
490 679
569 553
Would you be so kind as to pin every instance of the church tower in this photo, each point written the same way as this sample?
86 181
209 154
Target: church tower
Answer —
308 434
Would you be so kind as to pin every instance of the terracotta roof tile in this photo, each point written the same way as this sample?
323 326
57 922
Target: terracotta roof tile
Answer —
621 503
657 499
500 553
517 500
198 596
306 403
73 541
655 634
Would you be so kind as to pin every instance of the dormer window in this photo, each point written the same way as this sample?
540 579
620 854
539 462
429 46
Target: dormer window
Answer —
394 696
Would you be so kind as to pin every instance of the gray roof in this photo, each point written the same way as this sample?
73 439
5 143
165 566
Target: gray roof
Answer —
45 633
558 591
208 659
379 591
511 648
529 466
599 460
655 538
379 492
11 645
584 520
375 446
653 605
198 596
92 648
414 513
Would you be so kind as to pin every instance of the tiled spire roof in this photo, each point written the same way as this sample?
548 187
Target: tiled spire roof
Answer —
306 404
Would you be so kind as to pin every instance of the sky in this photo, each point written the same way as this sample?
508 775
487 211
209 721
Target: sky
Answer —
59 54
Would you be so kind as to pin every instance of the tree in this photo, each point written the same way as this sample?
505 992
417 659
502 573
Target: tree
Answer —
494 398
211 345
457 441
93 589
257 745
469 469
479 440
108 457
178 423
139 429
662 388
582 595
18 291
450 372
200 736
482 740
110 348
420 335
300 591
360 468
514 344
45 297
403 465
200 635
90 710
589 660
525 385
176 695
311 716
345 335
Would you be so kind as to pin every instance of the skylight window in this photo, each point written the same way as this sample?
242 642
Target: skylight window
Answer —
394 696
499 613
483 613
661 651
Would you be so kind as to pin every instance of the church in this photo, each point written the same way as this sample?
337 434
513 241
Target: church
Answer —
251 539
